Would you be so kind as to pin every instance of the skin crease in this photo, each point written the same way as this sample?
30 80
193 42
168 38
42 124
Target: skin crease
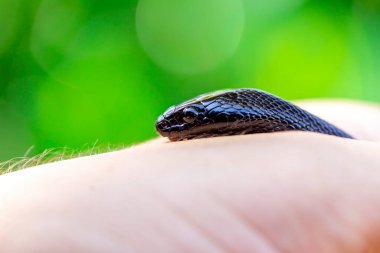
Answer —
266 193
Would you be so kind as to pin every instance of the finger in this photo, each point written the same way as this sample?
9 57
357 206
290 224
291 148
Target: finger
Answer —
360 119
287 192
284 192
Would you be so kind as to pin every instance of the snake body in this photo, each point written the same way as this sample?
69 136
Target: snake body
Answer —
235 112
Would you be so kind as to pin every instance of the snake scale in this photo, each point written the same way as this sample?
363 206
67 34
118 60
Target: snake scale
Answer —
235 112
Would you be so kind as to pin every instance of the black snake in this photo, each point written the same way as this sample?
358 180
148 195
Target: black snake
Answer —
240 111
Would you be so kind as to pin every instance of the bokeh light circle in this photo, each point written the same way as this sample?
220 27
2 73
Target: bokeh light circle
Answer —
271 9
9 15
92 88
189 37
308 52
56 25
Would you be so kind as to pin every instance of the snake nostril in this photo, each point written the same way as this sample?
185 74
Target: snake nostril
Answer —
161 125
163 128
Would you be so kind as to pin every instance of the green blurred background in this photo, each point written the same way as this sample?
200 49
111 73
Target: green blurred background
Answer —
78 72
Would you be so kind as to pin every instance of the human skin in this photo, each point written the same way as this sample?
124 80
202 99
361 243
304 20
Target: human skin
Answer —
266 193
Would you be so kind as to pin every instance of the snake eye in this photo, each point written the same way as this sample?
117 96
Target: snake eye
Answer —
189 115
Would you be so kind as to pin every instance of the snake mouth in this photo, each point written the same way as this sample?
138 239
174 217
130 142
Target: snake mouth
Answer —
176 132
165 128
184 131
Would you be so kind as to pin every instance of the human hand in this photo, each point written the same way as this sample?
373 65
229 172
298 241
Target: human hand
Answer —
280 192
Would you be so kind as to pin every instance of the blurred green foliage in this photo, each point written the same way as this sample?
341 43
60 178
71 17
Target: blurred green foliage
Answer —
78 72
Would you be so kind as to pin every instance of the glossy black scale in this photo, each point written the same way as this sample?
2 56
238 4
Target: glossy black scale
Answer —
241 111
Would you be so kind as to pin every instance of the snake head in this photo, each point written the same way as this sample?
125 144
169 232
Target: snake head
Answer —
177 122
203 116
